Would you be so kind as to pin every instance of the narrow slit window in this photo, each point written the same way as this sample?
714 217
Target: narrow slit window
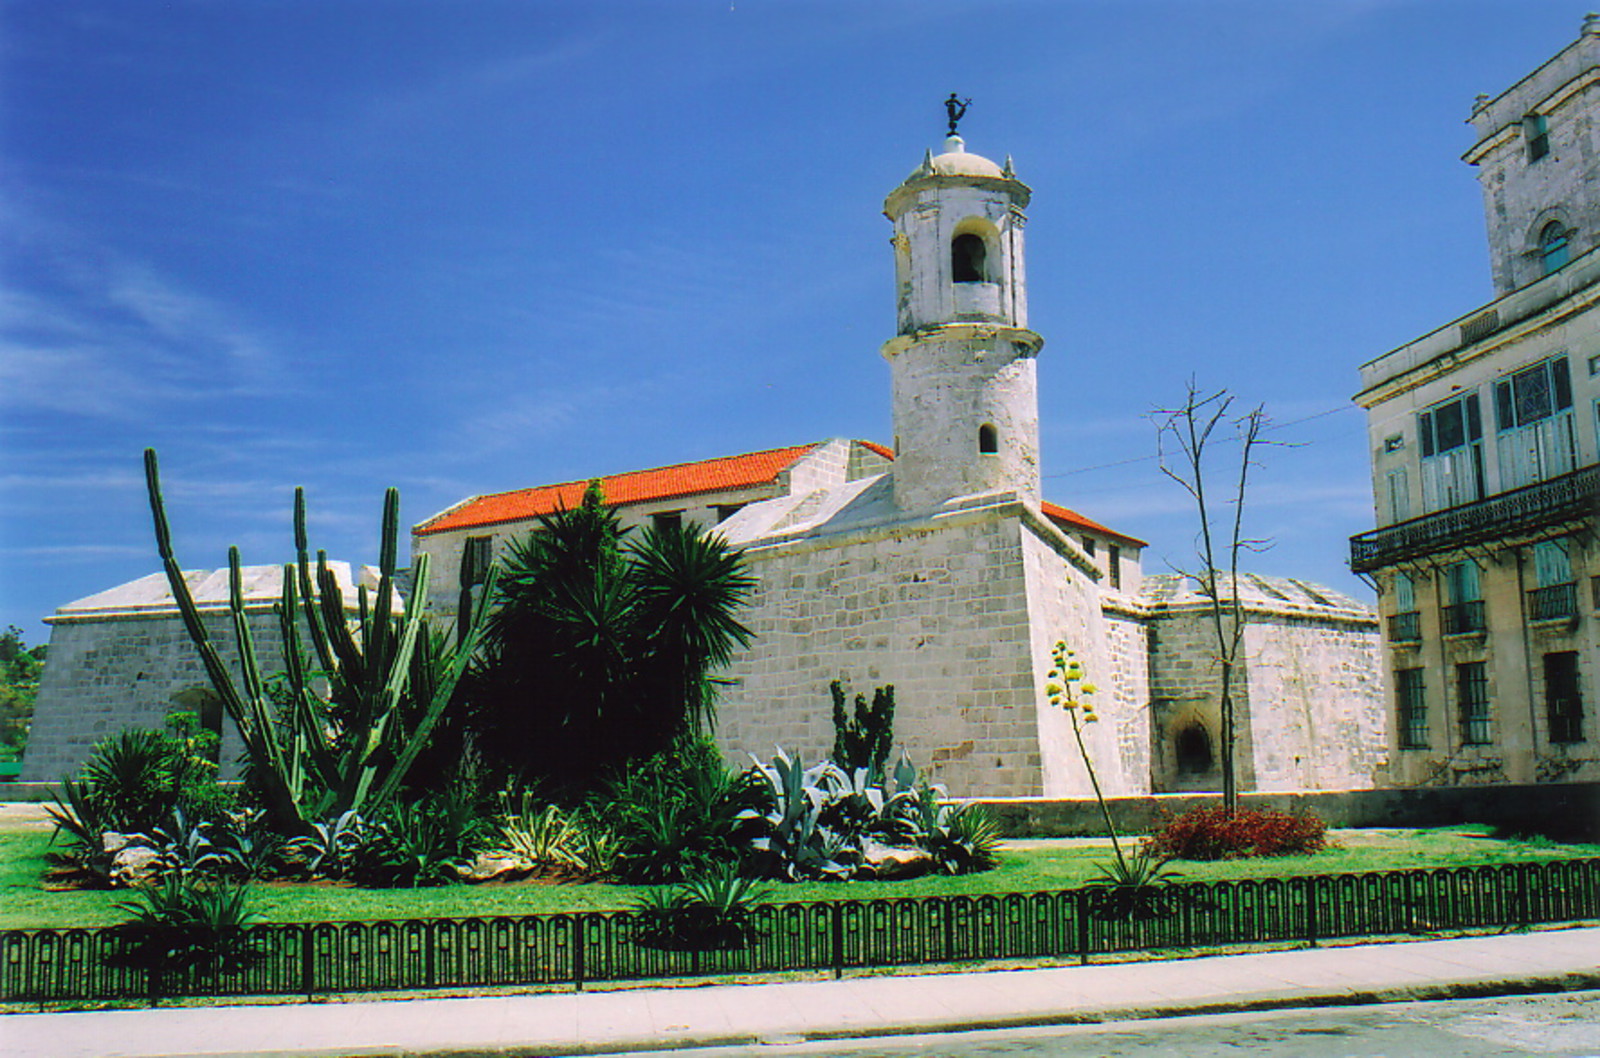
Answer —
988 440
1537 132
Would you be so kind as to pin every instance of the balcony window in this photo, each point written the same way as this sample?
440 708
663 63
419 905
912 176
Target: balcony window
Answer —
1562 701
1452 453
1405 627
1533 413
1472 698
1412 707
1556 597
1463 611
1398 495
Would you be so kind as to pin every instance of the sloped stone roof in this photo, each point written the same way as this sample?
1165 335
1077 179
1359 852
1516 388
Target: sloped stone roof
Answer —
1174 591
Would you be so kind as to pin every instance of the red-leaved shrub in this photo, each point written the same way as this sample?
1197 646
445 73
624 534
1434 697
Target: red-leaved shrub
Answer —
1213 834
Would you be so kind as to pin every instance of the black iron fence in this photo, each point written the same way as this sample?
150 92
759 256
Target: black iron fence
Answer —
43 965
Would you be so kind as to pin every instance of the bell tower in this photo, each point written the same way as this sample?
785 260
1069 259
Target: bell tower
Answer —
966 408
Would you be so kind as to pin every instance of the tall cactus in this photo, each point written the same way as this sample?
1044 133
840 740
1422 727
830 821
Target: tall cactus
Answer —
317 752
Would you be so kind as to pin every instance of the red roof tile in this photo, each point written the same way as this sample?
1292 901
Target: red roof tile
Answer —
637 486
872 446
1066 517
682 479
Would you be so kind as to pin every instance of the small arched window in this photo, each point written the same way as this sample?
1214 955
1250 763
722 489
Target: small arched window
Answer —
1553 249
969 259
988 440
1193 750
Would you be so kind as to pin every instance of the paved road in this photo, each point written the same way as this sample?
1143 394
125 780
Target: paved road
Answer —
1567 1026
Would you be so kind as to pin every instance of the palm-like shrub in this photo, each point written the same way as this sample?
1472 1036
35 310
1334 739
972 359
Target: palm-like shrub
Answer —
712 910
186 922
603 648
672 815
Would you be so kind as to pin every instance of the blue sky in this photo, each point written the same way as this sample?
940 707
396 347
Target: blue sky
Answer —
461 248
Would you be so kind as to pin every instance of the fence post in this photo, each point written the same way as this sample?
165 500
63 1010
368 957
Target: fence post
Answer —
1311 909
950 929
430 943
578 946
307 960
837 910
1080 905
1524 902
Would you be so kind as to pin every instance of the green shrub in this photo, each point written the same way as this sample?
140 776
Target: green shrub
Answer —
134 783
421 843
711 911
673 815
185 922
1215 834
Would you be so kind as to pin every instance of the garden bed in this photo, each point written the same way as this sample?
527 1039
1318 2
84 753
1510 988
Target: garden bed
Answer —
1025 866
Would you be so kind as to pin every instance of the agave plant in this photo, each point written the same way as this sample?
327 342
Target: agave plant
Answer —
330 848
793 838
1135 887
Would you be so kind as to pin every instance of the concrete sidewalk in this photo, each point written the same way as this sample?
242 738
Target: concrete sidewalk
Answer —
662 1018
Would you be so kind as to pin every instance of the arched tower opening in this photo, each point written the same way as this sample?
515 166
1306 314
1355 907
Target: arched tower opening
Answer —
969 259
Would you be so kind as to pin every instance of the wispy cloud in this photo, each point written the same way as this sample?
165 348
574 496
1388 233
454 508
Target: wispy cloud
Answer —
90 334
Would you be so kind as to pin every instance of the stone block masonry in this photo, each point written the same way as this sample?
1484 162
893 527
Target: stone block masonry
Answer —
112 673
956 611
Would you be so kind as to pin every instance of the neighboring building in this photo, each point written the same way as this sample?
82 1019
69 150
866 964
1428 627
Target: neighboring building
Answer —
1485 469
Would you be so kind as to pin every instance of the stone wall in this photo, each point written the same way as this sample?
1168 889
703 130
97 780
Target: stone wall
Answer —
1566 811
1317 722
1307 690
939 607
115 672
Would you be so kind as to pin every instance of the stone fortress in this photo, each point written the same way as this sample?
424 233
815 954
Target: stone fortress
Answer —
934 565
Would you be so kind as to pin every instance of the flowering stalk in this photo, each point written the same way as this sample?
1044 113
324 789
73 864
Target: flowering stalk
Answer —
1067 690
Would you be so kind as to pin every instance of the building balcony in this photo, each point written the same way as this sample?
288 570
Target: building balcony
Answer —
1557 602
1405 628
1570 497
1464 618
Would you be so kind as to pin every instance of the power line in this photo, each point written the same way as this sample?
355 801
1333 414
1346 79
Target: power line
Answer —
1151 458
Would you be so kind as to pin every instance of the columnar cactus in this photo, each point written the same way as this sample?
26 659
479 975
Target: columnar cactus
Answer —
319 752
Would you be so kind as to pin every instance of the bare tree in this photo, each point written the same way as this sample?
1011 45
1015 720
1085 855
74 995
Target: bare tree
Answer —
1187 445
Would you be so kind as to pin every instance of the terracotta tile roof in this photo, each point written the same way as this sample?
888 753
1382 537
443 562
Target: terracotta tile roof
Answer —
1066 518
682 479
637 486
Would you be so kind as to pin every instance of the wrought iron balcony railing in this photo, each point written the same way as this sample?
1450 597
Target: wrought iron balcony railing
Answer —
1405 627
1464 618
1569 497
1556 602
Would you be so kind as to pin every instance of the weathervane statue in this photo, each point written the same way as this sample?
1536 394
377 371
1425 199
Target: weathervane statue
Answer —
956 108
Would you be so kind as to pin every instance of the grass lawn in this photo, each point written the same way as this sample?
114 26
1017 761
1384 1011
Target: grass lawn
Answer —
1024 867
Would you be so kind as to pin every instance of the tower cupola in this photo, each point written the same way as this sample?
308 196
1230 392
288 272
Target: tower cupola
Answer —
966 412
